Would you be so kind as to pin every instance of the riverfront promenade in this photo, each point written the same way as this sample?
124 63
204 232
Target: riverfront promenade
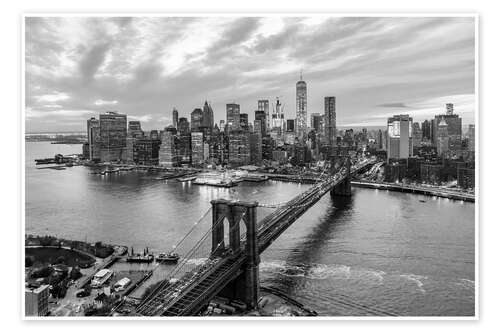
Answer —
417 189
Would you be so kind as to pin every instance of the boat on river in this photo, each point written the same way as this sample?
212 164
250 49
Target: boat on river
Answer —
170 258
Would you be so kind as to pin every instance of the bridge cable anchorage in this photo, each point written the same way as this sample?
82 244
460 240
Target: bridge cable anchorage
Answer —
168 288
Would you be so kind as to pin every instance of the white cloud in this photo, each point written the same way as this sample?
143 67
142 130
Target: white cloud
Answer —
100 102
143 119
54 97
35 113
151 64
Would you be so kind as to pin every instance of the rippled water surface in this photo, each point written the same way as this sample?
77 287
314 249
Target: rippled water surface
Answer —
376 251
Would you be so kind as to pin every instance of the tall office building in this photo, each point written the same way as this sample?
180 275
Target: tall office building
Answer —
146 150
154 135
134 129
426 130
301 109
416 135
255 142
442 138
184 149
261 116
380 140
239 148
93 138
399 140
330 121
317 122
244 121
183 126
196 119
449 108
168 155
233 116
208 116
471 146
263 105
278 117
290 125
128 154
197 148
454 127
175 118
113 135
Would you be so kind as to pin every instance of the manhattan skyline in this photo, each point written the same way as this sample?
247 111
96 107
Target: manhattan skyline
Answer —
77 68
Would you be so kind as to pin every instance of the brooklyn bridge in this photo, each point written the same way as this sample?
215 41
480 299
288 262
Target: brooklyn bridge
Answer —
235 239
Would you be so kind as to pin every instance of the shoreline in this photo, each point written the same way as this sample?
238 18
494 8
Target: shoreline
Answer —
428 191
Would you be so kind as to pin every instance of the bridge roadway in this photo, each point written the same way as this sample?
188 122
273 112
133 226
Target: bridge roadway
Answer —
188 295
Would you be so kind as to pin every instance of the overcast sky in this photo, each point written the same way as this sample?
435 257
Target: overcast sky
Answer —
376 67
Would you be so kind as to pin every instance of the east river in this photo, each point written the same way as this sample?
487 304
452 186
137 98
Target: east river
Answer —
408 254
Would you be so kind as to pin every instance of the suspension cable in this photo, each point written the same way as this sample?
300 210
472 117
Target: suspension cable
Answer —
192 228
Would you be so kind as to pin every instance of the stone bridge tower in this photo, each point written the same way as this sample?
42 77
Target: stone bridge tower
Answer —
245 286
340 158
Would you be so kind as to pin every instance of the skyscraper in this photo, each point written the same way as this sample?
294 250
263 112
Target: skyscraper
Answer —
290 125
113 135
472 138
175 117
197 148
93 138
426 130
301 109
317 122
399 140
255 146
443 138
263 105
134 129
449 108
278 117
239 148
196 119
330 121
168 155
183 126
416 135
261 116
454 123
233 116
244 121
208 116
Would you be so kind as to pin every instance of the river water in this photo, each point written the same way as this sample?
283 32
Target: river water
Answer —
395 252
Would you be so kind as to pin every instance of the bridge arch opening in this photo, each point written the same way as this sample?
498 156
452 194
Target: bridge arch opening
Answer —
243 229
227 229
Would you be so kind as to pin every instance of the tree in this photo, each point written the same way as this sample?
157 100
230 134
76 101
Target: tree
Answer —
60 260
42 272
29 261
75 273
